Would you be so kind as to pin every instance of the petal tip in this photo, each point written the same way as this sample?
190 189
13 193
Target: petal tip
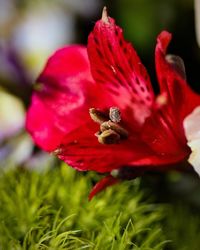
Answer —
101 185
104 17
164 39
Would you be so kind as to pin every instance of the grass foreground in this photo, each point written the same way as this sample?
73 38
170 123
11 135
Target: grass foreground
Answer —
50 210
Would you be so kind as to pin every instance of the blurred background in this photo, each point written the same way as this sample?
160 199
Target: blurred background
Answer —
30 31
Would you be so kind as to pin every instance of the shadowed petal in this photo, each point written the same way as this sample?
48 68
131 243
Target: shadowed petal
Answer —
179 95
163 131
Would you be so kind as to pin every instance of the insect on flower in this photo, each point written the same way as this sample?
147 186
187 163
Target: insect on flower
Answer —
96 108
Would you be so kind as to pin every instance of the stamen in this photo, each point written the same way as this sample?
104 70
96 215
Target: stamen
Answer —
109 137
115 114
116 127
161 100
110 131
57 151
115 173
97 115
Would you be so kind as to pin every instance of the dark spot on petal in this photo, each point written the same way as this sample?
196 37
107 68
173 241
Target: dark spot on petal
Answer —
134 91
148 98
96 41
120 69
110 47
71 143
116 32
79 161
125 50
99 71
141 102
99 53
147 87
137 81
118 80
81 146
142 89
121 42
130 63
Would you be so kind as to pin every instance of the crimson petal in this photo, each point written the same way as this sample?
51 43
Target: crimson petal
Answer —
180 96
163 131
81 150
65 93
107 181
116 66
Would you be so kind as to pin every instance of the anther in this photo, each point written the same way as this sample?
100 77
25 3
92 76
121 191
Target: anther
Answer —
115 173
115 127
97 116
109 137
115 114
161 100
110 131
57 151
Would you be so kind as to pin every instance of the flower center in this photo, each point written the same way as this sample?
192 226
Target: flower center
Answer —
110 132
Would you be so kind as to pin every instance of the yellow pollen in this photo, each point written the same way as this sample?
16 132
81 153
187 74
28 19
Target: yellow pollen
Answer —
161 100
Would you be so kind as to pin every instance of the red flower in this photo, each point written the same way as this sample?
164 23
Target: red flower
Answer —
128 128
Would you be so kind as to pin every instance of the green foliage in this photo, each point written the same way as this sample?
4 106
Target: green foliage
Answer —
183 227
51 211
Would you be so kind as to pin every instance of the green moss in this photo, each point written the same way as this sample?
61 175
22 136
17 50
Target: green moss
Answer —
182 226
51 211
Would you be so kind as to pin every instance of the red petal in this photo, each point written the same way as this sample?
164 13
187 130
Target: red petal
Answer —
180 96
116 66
160 134
81 150
40 122
163 131
159 161
64 97
101 185
59 119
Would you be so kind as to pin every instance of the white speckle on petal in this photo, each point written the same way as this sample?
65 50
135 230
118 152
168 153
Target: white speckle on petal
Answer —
191 126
